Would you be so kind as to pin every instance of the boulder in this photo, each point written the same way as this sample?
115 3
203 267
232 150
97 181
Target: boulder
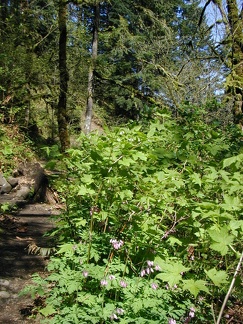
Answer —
29 183
5 187
23 193
13 181
2 180
36 178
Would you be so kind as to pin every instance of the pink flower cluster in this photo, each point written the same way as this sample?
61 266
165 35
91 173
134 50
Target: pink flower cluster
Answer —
85 273
190 315
171 321
154 286
150 268
192 312
116 244
118 311
104 282
123 284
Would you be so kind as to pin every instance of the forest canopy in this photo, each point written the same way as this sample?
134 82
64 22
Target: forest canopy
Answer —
65 64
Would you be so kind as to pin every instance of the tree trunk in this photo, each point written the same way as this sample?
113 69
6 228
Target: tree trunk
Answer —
235 82
62 103
89 107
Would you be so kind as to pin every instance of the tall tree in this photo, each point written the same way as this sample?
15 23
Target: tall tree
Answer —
89 107
235 82
232 20
62 117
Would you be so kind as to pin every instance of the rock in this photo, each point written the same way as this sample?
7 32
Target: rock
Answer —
4 294
17 173
4 282
36 176
2 180
13 181
5 186
29 183
23 193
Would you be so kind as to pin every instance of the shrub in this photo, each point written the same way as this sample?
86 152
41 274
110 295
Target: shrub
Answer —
151 232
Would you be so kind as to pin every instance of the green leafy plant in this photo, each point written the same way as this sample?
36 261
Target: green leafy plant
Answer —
151 229
14 147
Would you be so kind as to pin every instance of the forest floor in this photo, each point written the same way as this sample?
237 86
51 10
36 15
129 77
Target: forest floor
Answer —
18 233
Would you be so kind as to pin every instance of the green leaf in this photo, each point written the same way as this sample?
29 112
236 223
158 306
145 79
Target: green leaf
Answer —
171 272
174 240
126 161
161 175
195 177
47 311
211 175
7 150
231 202
195 286
87 299
87 178
218 277
227 162
231 160
139 155
236 226
137 305
68 247
95 156
222 239
126 194
72 286
80 222
151 130
83 190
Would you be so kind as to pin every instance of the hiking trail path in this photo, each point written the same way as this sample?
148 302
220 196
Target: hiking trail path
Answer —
18 231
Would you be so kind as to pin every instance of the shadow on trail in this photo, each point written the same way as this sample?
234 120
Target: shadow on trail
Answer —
17 233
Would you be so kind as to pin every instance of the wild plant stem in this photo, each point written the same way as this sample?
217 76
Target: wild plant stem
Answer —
214 319
90 237
230 289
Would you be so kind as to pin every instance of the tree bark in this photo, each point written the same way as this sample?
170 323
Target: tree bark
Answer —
235 82
62 103
89 106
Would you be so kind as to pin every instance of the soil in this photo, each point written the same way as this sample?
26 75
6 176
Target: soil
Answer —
21 234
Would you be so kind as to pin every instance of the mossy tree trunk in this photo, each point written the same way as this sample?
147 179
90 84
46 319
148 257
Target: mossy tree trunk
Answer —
89 106
235 81
62 103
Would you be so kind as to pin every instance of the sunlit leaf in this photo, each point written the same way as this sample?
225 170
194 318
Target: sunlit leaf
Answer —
47 311
222 239
195 286
218 277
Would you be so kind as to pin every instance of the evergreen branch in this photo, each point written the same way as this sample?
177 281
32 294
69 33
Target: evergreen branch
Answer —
202 13
132 90
198 58
51 30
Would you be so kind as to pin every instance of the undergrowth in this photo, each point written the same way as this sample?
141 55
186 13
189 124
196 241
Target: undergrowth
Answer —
152 231
15 147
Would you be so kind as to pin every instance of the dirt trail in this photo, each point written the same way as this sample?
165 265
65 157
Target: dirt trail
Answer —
16 265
